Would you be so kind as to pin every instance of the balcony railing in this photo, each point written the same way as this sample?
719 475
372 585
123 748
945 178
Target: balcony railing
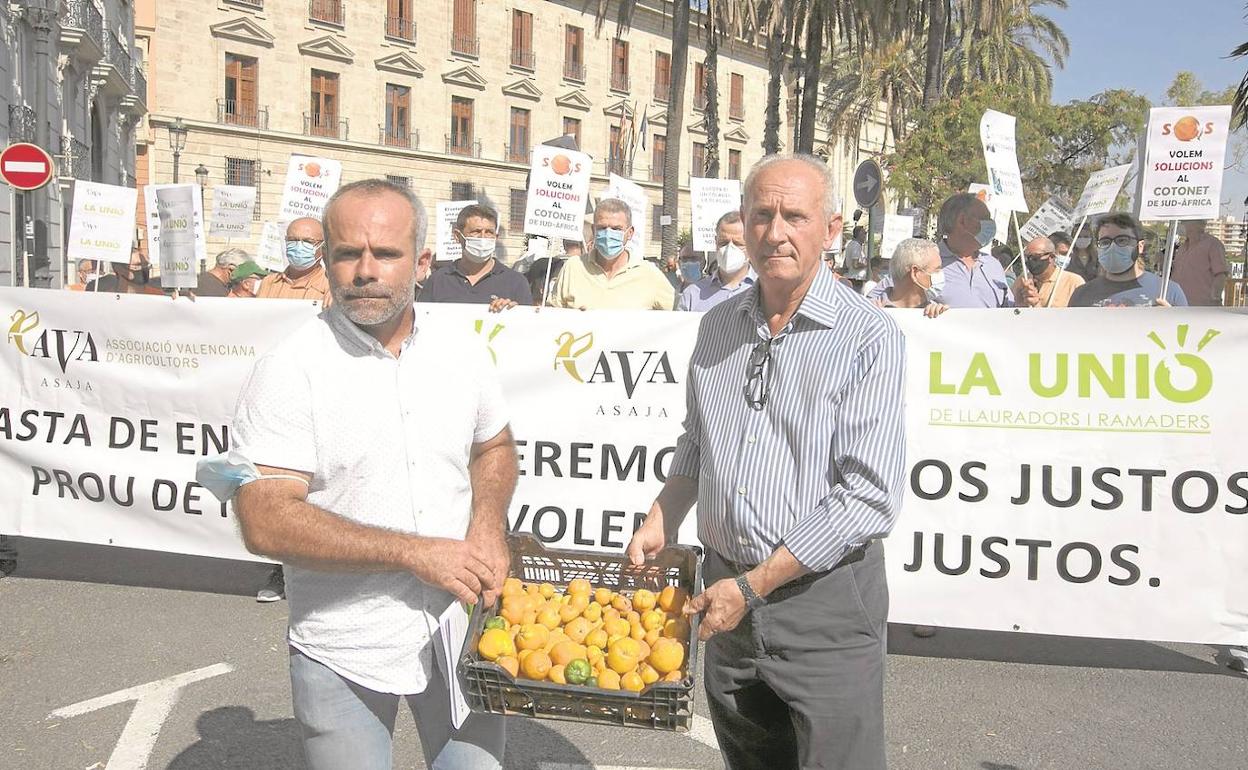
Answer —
326 11
574 71
515 153
75 159
84 17
322 124
662 91
400 28
619 81
620 166
398 137
235 113
138 83
459 145
22 123
116 55
524 59
699 100
466 45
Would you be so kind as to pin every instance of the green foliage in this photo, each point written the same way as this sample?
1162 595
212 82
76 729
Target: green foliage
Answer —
1186 90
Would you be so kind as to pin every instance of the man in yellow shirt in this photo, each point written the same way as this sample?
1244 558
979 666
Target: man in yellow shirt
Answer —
1047 285
609 277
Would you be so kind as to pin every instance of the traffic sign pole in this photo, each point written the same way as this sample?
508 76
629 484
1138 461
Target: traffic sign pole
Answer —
868 182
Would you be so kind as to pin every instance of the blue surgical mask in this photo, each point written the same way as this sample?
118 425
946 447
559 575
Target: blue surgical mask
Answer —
1117 259
987 231
609 243
223 474
300 254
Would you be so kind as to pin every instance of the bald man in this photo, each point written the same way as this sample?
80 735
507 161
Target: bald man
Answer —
304 276
1047 285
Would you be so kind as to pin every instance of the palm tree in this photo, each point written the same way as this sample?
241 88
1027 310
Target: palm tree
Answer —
714 31
1006 41
890 73
934 70
1240 102
675 126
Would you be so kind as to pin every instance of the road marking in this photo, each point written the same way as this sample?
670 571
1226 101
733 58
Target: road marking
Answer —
153 703
703 731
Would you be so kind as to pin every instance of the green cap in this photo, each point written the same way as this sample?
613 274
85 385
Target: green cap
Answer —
247 270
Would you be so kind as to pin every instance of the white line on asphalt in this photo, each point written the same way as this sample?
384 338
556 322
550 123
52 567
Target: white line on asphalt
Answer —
153 703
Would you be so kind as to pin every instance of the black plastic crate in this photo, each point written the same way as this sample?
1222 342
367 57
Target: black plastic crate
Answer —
489 688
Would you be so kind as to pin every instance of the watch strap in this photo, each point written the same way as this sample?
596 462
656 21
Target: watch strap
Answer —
752 599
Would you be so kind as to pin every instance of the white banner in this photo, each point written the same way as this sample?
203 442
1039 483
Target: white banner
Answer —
309 184
448 249
996 133
897 228
558 192
1186 152
1050 217
271 249
1100 192
710 199
180 249
152 207
232 209
101 225
1092 488
634 195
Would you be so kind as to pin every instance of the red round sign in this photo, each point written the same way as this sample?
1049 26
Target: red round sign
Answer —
26 166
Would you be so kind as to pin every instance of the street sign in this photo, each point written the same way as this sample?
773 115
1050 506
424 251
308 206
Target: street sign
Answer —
868 180
25 166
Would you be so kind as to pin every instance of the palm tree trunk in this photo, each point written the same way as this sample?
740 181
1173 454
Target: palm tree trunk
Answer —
937 27
776 50
810 79
712 91
675 126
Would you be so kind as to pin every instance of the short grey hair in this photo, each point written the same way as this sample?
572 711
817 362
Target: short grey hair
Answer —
912 252
830 199
615 206
955 206
232 258
374 187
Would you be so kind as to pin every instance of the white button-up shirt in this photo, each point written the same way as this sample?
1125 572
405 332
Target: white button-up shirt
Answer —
387 441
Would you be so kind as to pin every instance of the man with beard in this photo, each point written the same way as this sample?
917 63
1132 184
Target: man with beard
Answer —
1120 250
383 511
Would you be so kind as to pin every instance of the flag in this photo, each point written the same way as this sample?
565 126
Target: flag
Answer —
642 128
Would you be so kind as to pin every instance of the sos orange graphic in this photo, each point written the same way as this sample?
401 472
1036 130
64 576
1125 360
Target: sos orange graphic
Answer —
1186 129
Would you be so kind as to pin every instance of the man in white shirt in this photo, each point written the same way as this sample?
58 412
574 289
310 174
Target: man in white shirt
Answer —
388 512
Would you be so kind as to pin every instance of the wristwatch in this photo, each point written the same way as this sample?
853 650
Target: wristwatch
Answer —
752 599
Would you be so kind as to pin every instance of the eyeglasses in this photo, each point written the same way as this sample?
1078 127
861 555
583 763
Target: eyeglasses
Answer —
758 375
1121 240
1041 255
311 241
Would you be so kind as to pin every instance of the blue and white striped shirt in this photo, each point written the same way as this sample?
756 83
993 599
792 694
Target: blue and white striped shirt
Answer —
820 468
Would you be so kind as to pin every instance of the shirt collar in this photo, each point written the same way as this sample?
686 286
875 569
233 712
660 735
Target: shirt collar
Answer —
749 280
595 268
357 337
495 269
947 255
819 304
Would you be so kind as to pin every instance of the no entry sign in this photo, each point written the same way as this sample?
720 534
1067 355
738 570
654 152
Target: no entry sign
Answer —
25 166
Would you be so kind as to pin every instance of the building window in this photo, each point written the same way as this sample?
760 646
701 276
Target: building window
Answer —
515 211
460 140
400 23
699 86
662 76
396 131
574 53
698 160
240 105
615 151
518 136
734 164
658 157
619 65
572 128
464 28
401 181
461 191
326 12
522 40
656 216
322 119
245 173
736 97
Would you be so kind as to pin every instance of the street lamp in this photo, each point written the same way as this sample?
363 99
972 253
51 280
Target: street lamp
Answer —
177 142
201 175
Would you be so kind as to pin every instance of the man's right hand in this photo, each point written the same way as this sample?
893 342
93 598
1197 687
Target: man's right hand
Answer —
461 567
649 539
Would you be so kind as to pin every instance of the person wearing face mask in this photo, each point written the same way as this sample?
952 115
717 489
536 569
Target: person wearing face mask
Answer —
245 280
973 278
917 279
1061 245
304 276
86 274
1200 265
1120 250
1047 285
732 275
1083 261
477 278
610 278
131 278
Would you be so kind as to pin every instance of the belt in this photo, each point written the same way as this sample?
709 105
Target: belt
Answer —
855 554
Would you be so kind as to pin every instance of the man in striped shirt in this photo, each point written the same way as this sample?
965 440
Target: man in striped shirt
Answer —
794 450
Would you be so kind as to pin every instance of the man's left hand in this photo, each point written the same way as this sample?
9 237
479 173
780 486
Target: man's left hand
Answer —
723 606
498 558
499 304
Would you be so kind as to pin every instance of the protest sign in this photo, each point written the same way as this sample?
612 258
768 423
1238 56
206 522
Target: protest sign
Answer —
1182 177
1000 213
310 182
152 208
271 250
101 225
711 199
448 249
897 228
996 133
1100 192
558 193
232 209
175 207
1050 217
634 196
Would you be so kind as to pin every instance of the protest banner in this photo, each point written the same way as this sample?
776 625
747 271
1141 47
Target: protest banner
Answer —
1182 178
1051 216
448 249
310 182
710 199
101 225
634 196
232 209
1100 192
152 207
271 249
1070 487
996 133
897 228
180 250
558 193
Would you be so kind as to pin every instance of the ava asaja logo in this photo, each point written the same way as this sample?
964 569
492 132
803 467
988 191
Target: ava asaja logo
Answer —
630 368
64 346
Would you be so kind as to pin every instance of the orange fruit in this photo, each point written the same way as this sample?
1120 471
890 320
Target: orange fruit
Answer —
580 586
610 613
577 629
652 636
495 643
560 164
674 676
637 632
652 619
672 599
676 628
633 617
313 169
648 674
567 651
595 656
624 655
616 627
546 590
596 638
609 680
512 586
1186 129
568 612
632 682
592 613
536 665
556 675
524 654
579 601
621 603
643 600
511 664
603 596
549 617
645 650
667 656
532 636
529 618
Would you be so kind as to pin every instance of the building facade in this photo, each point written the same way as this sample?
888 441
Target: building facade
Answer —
74 84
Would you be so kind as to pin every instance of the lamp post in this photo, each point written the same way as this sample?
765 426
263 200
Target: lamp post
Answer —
201 176
177 141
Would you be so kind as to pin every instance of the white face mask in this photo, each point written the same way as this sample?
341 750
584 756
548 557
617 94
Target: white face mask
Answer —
479 250
933 292
731 257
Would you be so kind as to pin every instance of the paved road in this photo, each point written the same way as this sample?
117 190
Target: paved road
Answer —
80 622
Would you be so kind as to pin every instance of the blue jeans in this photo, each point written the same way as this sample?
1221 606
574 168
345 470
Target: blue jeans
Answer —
346 725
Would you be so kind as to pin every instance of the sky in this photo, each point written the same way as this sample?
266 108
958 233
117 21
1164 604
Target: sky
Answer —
1142 44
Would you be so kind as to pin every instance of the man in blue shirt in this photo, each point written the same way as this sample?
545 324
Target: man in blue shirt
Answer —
477 277
732 274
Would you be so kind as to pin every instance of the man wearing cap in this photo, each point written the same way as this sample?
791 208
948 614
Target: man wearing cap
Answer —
216 281
245 280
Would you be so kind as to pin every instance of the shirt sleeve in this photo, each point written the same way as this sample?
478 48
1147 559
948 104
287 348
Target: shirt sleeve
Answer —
273 420
880 290
558 296
522 293
687 459
686 300
1175 295
1217 259
868 456
665 294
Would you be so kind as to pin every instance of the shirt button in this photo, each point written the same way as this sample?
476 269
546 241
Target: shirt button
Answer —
751 439
740 490
745 541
